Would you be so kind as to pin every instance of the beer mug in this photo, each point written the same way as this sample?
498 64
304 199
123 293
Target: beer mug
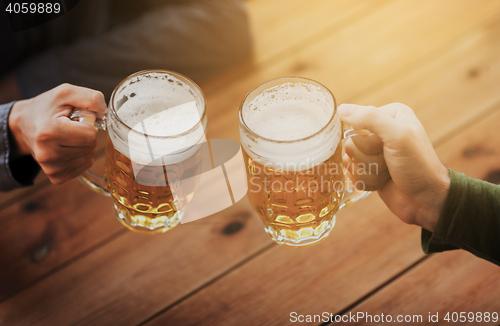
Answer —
292 140
156 123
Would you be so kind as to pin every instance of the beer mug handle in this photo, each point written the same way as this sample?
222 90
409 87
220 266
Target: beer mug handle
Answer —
98 121
351 194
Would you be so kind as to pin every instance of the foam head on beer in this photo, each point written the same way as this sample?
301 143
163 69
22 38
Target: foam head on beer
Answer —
288 118
164 116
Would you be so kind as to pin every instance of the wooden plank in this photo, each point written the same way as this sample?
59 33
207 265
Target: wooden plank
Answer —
475 149
365 250
383 45
41 181
473 284
445 283
49 228
279 26
469 71
354 258
7 198
136 275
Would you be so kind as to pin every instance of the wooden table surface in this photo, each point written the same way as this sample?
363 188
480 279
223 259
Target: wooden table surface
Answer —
66 260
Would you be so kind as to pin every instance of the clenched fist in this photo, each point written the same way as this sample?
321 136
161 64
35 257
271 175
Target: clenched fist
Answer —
40 127
410 179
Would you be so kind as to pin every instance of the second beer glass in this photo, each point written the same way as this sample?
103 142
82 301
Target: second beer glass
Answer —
292 144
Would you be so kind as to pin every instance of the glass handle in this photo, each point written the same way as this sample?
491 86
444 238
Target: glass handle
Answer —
98 121
351 194
91 118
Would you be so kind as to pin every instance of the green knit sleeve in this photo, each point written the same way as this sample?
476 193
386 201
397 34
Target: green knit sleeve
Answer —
470 219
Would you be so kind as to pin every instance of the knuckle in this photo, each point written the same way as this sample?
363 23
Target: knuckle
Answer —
57 180
405 108
346 160
48 170
44 156
44 135
64 89
97 97
407 133
372 113
349 150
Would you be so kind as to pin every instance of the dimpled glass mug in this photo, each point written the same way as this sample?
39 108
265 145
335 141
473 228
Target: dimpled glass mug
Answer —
156 124
292 141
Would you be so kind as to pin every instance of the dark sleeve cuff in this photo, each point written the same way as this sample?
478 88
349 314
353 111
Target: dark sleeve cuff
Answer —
24 170
13 173
470 219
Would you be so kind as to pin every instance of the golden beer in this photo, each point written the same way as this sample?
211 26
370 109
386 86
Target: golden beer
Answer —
156 127
145 200
291 137
296 204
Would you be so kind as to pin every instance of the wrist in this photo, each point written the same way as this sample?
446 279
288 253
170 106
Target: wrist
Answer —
19 147
9 89
429 213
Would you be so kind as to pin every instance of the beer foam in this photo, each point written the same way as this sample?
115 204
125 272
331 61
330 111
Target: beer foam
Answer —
159 109
288 119
157 117
288 115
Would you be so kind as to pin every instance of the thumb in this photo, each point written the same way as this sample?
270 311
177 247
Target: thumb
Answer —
369 117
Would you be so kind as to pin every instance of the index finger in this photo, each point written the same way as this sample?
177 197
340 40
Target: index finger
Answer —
369 144
81 98
380 121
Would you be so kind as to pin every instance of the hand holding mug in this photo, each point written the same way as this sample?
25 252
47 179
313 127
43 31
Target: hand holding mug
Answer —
40 127
411 180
